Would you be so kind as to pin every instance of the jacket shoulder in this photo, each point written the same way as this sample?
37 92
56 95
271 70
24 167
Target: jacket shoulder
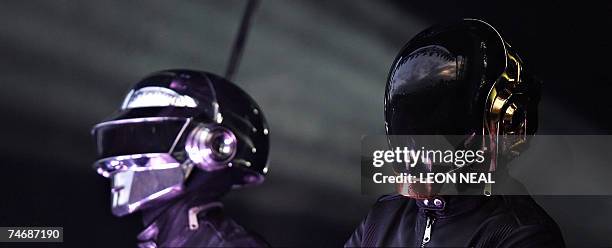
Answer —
228 232
388 205
390 197
529 225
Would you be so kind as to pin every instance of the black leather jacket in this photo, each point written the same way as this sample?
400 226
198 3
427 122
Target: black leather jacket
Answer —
208 227
457 221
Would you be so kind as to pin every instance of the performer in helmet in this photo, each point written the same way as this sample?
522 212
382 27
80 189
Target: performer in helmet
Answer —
460 80
181 140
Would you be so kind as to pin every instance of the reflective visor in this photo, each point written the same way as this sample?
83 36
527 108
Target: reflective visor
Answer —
137 136
427 93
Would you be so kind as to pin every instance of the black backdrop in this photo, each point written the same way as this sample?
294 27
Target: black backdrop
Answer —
318 71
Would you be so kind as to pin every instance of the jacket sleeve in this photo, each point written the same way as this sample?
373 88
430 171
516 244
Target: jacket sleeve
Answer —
356 239
245 240
533 236
367 233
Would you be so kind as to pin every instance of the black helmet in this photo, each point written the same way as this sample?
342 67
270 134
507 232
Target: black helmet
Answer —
454 78
461 80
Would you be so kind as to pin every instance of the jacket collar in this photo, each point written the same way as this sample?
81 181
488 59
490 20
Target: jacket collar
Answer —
449 206
174 218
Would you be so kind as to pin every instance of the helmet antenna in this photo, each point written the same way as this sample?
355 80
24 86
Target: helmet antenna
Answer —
238 46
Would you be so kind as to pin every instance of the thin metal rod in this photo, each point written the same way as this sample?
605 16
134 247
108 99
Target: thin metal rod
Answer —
238 46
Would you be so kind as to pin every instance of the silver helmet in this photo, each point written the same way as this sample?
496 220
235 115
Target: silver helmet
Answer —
173 127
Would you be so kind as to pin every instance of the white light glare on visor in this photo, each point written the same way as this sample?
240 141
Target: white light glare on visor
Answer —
136 162
156 97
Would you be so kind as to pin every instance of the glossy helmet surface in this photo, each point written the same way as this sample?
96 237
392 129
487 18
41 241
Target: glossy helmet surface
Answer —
461 80
455 78
173 122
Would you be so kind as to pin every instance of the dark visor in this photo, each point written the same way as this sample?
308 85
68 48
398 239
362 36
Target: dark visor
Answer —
136 136
426 94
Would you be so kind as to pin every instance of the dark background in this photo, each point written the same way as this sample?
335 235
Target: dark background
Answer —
317 69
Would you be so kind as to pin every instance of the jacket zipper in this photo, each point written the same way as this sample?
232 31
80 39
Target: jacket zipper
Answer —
427 234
